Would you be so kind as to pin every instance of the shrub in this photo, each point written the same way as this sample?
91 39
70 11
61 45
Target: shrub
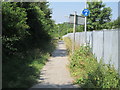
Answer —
88 73
26 39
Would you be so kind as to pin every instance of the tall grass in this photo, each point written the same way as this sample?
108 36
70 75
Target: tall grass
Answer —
68 43
88 73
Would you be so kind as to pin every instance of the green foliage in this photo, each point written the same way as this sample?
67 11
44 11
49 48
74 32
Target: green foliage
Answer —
14 26
116 23
109 25
55 31
79 28
99 15
26 42
22 72
14 20
64 28
105 76
88 73
113 24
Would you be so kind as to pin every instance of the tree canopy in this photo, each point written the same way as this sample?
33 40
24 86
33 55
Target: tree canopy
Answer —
99 15
27 30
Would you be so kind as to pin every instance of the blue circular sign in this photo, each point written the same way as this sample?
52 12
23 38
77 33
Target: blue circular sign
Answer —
85 12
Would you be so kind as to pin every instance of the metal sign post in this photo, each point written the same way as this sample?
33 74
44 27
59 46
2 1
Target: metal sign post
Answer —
74 29
85 31
76 20
58 32
85 12
85 25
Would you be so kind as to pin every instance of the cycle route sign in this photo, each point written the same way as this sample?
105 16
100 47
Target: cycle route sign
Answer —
85 12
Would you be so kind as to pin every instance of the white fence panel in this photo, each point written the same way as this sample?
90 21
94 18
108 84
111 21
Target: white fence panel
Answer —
105 44
97 47
111 47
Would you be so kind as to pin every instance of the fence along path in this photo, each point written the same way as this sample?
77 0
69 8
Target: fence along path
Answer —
104 44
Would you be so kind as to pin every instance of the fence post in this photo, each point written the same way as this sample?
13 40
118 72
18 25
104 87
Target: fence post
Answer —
74 29
118 52
103 47
92 42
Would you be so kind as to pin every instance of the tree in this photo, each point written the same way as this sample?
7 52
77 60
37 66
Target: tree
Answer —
40 23
113 24
117 23
80 28
99 15
64 28
13 26
27 37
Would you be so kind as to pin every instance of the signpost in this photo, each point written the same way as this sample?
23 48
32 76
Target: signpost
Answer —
79 19
85 12
76 20
74 29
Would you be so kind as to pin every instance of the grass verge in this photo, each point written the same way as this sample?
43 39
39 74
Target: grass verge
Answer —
88 73
23 70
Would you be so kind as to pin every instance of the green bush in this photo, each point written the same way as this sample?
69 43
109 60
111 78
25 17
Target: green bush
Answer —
19 73
88 73
26 41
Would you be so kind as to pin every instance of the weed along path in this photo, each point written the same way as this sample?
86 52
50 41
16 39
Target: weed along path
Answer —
55 73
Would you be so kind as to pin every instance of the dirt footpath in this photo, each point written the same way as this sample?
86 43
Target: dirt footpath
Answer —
55 73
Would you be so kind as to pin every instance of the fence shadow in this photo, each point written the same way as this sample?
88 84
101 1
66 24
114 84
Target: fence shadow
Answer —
48 86
59 53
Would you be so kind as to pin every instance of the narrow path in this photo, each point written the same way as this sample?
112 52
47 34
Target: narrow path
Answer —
55 73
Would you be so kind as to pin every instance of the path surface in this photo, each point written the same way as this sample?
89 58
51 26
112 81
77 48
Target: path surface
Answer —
55 73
